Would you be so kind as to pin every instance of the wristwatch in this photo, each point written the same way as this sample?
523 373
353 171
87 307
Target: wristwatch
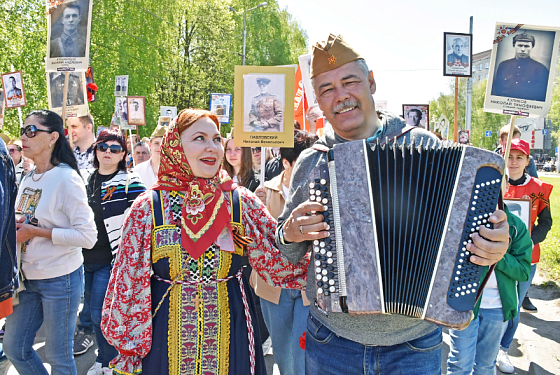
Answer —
281 236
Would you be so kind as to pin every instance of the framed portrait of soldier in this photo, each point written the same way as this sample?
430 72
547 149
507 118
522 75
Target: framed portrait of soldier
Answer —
220 105
68 36
121 113
136 108
2 106
121 85
264 109
457 55
168 111
164 120
416 114
520 208
464 137
76 97
522 70
12 84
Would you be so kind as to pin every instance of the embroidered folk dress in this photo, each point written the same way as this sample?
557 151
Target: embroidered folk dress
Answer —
201 328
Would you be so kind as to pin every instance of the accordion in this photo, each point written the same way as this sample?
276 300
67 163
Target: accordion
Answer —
400 219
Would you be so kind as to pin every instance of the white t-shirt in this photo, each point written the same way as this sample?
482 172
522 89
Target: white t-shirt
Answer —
491 294
57 198
146 173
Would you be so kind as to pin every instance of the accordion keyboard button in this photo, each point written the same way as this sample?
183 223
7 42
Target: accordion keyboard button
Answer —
323 181
320 290
329 261
325 278
318 277
332 289
311 185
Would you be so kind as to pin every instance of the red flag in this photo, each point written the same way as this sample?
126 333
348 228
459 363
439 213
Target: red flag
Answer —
300 102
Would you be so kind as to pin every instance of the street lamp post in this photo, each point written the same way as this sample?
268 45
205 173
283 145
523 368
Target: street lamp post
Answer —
245 23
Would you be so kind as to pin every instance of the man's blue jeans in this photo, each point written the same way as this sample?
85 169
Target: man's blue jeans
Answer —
97 279
476 347
512 324
286 322
329 354
54 304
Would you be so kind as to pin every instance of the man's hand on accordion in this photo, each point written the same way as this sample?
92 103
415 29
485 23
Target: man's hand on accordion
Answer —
306 223
490 245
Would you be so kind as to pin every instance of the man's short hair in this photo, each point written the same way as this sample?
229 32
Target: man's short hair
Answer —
14 78
456 41
75 6
505 130
86 120
361 64
418 112
141 143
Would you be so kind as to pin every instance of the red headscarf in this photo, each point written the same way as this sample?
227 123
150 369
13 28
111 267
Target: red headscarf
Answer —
204 214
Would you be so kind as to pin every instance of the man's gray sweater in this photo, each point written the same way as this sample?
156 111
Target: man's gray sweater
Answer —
375 329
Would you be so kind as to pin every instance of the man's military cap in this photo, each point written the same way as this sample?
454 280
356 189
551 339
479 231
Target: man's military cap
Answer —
263 81
331 55
524 37
159 131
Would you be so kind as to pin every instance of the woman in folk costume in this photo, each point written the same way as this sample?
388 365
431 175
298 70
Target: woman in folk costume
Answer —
194 314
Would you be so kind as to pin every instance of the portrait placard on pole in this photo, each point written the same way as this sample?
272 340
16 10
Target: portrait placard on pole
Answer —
76 100
457 55
168 111
136 107
121 85
522 70
68 35
15 92
264 110
220 105
416 114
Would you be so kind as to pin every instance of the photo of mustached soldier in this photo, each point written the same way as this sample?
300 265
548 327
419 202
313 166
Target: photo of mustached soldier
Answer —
266 109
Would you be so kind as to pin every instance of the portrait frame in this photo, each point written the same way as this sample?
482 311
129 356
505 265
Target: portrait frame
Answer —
17 100
55 61
457 68
77 104
2 107
164 121
129 105
122 89
281 134
533 97
461 133
423 108
220 105
163 111
520 207
121 117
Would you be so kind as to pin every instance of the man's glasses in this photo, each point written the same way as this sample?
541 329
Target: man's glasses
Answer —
12 150
255 149
30 131
103 147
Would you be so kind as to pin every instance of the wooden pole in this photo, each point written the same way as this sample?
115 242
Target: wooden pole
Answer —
456 108
131 147
64 99
506 153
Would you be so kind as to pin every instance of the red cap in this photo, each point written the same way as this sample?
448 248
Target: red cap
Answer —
521 145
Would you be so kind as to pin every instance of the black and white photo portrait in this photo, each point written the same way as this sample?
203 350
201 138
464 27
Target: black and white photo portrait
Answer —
520 208
136 110
457 52
76 97
121 85
523 65
14 90
168 111
416 114
522 70
220 105
264 102
121 111
69 27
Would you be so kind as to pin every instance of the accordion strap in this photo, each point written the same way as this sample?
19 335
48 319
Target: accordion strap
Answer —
386 139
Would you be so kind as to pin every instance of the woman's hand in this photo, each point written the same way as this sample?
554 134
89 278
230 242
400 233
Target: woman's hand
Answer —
261 194
24 231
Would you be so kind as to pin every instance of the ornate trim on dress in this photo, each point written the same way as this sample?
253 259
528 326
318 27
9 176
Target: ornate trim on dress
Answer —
196 236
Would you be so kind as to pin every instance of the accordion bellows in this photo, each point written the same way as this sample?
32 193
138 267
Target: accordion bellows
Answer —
400 218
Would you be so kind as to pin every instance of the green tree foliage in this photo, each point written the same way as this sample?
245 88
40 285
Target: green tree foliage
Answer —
176 52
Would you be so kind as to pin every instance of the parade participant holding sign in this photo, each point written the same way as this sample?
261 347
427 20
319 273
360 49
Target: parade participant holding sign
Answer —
522 185
338 343
195 314
83 138
148 171
56 223
111 191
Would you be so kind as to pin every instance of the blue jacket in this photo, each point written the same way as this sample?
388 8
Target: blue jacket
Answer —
8 192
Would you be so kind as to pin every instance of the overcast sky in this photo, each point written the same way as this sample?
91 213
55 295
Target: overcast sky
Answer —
402 41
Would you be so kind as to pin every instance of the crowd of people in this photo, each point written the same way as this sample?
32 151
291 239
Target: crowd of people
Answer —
188 263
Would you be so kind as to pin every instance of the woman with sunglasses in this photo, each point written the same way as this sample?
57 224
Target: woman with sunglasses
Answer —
256 152
177 302
111 191
238 164
55 223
